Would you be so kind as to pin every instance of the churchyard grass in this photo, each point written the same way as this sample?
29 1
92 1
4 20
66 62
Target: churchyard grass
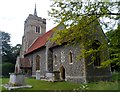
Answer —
44 85
0 84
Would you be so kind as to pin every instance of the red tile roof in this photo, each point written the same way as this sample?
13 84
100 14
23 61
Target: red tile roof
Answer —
40 42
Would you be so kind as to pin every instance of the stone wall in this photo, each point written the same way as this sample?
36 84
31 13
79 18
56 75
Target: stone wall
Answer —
74 71
94 73
32 57
50 61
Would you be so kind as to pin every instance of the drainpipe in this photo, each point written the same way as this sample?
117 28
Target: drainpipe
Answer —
46 58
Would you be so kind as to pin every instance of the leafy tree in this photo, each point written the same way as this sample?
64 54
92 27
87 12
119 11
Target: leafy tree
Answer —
6 53
5 43
16 49
0 47
9 54
77 18
70 12
114 48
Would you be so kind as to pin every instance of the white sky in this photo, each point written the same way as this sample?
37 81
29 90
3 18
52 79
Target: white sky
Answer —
14 12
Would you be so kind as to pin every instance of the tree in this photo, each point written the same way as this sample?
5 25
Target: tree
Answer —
16 49
0 47
77 18
9 54
6 53
70 12
114 48
5 42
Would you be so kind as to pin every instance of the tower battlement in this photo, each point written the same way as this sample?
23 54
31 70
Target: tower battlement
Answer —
35 18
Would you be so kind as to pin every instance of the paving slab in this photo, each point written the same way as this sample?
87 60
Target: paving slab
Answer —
10 87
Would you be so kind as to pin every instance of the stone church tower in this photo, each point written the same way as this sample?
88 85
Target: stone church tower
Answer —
34 26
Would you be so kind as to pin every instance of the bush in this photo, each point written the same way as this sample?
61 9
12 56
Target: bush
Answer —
116 76
0 70
7 68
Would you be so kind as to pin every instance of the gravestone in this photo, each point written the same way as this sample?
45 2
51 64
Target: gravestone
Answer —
17 79
38 75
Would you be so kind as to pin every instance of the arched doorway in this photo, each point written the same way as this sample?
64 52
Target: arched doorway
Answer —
62 72
37 62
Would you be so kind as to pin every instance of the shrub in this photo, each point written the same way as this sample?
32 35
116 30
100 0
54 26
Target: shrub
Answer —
7 68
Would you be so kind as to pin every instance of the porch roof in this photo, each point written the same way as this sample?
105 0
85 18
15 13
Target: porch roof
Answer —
25 63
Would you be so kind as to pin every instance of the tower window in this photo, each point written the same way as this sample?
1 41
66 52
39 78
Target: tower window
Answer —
38 29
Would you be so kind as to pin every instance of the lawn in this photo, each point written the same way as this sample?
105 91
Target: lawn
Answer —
0 84
44 85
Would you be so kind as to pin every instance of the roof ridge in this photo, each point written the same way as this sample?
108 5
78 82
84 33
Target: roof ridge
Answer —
38 38
40 41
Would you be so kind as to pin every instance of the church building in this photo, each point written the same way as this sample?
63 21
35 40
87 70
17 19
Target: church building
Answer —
57 62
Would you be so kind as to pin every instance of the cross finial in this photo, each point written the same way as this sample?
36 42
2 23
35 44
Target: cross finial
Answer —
35 11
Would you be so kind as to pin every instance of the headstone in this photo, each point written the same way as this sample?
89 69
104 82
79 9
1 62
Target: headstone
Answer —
17 79
38 75
56 75
49 75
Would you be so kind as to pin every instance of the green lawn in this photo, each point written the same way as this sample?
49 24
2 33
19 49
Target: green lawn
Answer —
44 85
0 84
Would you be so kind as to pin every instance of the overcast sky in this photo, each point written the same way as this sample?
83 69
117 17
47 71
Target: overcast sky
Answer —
14 12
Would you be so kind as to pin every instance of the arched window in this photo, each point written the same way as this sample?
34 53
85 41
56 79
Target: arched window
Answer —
62 57
37 62
96 55
55 60
71 57
38 29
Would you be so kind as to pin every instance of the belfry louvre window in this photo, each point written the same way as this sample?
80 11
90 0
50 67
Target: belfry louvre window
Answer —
70 57
96 55
38 29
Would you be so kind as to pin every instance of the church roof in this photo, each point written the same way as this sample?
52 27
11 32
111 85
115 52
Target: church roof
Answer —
40 41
